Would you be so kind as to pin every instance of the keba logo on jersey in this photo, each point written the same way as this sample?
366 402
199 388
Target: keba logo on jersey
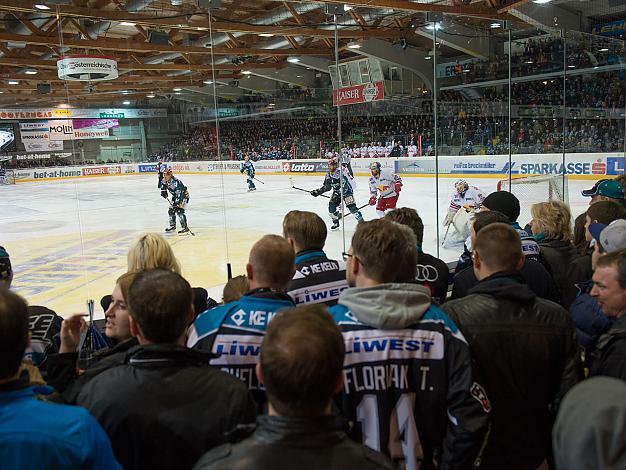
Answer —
302 167
376 345
286 167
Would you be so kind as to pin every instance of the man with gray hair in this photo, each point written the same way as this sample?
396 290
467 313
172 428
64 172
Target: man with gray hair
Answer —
408 384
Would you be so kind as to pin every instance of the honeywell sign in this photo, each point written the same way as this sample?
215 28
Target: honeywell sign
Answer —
359 94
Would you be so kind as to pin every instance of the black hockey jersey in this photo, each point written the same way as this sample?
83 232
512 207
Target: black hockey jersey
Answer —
317 279
408 388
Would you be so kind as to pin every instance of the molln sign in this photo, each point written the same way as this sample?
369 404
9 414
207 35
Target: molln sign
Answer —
359 94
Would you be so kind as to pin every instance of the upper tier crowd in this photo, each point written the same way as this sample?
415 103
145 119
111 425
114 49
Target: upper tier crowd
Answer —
365 362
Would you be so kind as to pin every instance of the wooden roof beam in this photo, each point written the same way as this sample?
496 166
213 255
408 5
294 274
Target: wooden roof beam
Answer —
132 46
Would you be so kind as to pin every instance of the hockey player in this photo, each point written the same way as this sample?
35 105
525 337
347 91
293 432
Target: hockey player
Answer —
161 168
363 150
466 197
248 168
338 178
180 198
345 162
385 189
412 150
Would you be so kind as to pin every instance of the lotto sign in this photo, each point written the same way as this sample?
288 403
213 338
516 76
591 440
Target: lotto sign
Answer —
359 94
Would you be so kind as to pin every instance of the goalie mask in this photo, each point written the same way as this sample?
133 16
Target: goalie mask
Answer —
375 168
461 186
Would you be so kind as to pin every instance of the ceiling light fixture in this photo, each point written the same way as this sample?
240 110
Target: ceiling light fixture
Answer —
178 93
126 102
604 49
266 35
30 72
13 82
541 2
495 25
435 26
151 95
293 60
176 89
354 45
246 72
348 8
41 6
127 23
208 82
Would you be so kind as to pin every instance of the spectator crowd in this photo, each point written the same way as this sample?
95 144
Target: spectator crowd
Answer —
363 362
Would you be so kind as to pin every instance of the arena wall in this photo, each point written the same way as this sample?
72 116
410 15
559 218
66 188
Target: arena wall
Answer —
577 166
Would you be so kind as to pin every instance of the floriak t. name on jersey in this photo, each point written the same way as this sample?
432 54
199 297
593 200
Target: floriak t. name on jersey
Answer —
408 388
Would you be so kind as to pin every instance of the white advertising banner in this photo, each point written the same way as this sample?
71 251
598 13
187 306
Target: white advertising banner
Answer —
36 137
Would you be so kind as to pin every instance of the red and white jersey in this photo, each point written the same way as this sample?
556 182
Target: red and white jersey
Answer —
329 154
412 150
380 151
472 198
384 185
363 151
388 150
371 151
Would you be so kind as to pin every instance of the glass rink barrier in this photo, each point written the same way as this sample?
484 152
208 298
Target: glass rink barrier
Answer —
170 121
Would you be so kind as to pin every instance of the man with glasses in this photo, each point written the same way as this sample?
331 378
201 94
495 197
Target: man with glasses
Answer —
408 383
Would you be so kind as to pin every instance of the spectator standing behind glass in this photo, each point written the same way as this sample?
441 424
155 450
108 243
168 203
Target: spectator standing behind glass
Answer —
431 272
524 350
551 227
317 278
408 378
62 367
301 367
34 433
161 403
609 278
235 331
533 272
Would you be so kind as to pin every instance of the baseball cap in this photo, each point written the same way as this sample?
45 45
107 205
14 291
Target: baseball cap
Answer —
608 188
611 237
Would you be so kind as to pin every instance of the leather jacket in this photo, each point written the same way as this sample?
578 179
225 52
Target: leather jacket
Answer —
280 442
525 355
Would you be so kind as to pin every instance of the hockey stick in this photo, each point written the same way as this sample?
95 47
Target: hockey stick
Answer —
305 190
358 209
172 206
446 235
255 178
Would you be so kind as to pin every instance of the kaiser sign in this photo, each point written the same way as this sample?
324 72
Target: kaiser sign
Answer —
359 94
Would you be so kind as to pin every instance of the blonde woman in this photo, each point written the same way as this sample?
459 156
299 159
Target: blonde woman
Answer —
152 251
552 228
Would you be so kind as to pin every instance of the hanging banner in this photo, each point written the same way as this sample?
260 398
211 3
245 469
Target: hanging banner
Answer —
359 94
78 113
87 68
36 137
93 124
64 130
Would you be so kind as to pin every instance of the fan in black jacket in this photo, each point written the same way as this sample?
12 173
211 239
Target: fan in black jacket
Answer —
524 352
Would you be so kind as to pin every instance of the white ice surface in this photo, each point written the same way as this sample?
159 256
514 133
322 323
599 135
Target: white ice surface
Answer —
132 204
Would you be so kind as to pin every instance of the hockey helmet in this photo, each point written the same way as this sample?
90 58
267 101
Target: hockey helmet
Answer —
375 166
461 186
334 161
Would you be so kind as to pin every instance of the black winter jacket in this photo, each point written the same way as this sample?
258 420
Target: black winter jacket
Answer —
286 443
609 358
163 406
526 356
534 273
559 255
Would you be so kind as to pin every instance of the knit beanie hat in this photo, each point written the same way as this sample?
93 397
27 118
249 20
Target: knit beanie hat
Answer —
505 202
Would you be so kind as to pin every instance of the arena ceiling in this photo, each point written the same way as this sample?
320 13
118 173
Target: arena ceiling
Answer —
285 41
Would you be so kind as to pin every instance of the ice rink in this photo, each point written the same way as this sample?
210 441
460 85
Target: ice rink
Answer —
68 240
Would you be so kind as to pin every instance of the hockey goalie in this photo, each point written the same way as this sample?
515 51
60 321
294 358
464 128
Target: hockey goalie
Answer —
465 201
